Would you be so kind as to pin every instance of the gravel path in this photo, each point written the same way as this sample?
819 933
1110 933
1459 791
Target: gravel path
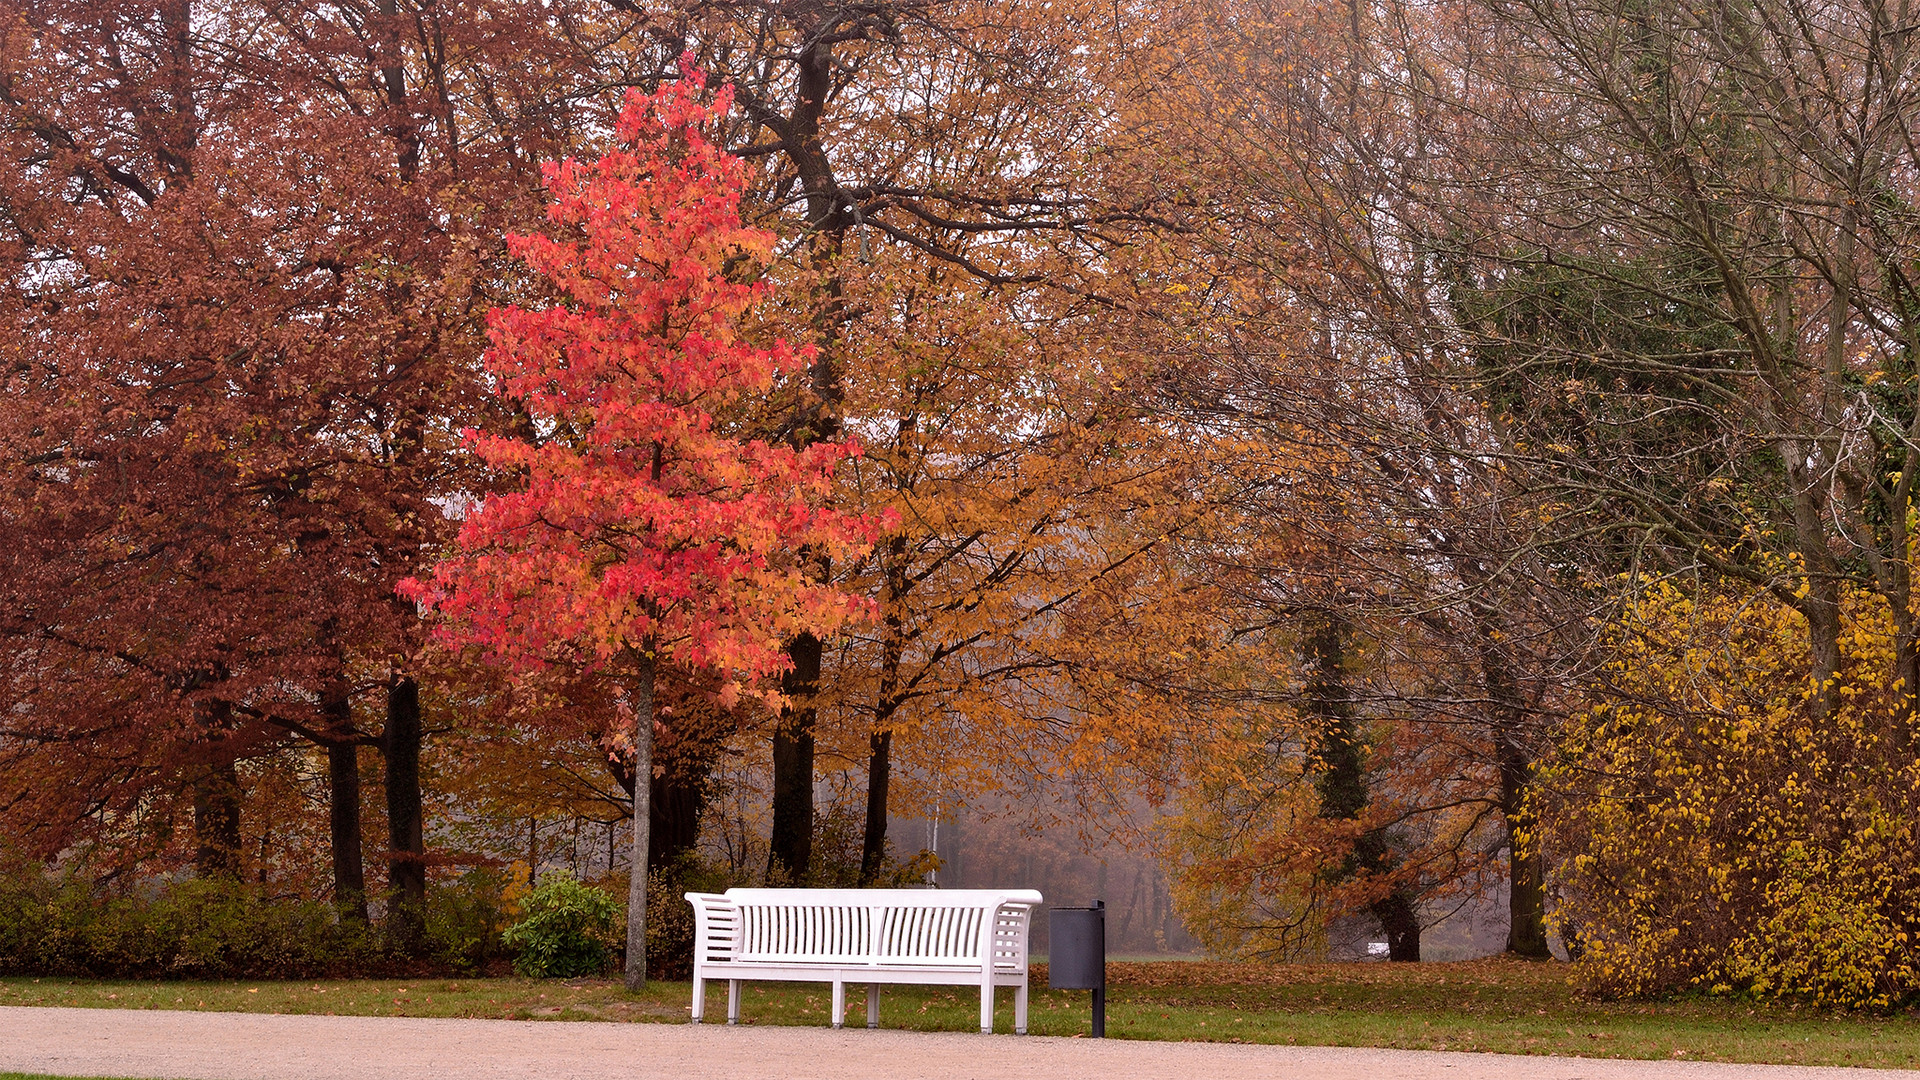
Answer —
240 1046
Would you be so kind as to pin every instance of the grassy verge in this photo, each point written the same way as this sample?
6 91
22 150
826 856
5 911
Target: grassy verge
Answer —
1489 1005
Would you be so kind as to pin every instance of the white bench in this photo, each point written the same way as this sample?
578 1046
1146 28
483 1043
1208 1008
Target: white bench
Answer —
948 937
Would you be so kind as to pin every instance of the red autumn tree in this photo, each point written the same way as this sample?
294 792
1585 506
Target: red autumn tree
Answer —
645 530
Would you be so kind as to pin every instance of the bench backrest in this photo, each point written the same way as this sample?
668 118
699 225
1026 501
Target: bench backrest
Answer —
962 928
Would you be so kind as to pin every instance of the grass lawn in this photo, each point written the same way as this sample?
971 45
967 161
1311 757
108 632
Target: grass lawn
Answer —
1494 1005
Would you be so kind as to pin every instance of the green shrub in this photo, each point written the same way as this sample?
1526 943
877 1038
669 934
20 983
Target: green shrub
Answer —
566 929
464 919
184 929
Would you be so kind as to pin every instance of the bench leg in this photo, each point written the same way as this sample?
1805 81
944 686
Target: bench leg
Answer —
699 999
873 1005
839 1003
986 1009
733 1001
1020 1009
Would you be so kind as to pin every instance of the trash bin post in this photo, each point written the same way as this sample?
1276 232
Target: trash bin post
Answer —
1077 955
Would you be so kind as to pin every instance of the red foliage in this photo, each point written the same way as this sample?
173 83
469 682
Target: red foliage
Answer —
643 522
239 252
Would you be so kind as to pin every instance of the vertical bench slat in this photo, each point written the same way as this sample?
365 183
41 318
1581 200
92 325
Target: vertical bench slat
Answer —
914 933
955 937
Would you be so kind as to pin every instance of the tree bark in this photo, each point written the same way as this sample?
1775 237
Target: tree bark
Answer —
640 697
790 848
393 78
343 803
1343 782
216 801
683 772
343 808
216 821
1527 895
1400 921
1526 869
406 856
676 804
1342 787
790 851
1906 668
873 843
873 846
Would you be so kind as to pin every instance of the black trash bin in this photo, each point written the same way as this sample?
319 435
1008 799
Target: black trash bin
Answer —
1077 955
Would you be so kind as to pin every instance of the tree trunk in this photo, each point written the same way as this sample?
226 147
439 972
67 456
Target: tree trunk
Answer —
1513 756
790 848
1400 921
1527 899
406 856
873 845
790 851
677 800
216 800
394 78
1343 789
216 821
640 697
1906 669
1820 602
676 804
343 809
349 863
1343 782
1527 878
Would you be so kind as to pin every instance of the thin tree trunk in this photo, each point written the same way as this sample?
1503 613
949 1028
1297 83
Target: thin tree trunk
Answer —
873 844
640 697
790 850
406 857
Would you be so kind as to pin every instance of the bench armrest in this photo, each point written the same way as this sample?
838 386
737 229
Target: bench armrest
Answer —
716 927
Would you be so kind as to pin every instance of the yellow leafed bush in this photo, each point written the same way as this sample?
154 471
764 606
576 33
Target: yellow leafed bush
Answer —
1713 831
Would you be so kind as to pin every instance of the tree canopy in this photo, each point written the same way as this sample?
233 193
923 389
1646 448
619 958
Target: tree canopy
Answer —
1374 458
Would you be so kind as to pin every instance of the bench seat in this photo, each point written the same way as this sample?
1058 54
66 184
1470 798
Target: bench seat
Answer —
951 937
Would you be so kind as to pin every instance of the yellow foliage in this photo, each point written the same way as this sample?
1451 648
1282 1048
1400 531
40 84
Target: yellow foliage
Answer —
1715 832
519 884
